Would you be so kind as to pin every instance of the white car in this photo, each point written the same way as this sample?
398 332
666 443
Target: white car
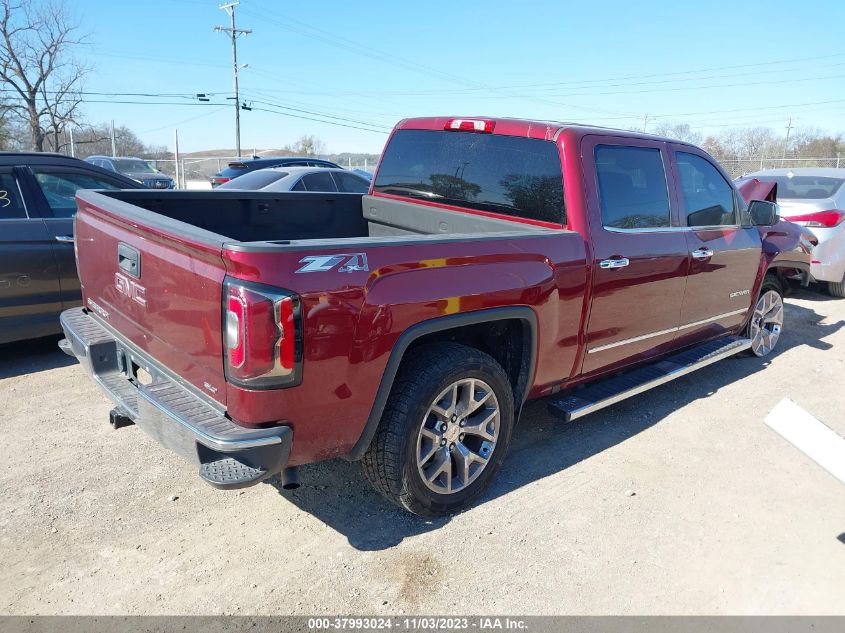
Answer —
324 179
815 197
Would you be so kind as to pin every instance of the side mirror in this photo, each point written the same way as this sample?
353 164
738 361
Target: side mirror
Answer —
763 213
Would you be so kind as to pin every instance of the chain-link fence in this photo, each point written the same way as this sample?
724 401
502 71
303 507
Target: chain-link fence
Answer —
741 167
196 173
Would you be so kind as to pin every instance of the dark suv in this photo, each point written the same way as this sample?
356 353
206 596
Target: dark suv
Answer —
37 265
135 168
241 167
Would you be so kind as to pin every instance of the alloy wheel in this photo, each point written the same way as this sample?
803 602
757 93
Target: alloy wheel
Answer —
458 436
766 323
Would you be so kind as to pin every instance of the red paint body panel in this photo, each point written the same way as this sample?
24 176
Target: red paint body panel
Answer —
180 323
755 189
351 321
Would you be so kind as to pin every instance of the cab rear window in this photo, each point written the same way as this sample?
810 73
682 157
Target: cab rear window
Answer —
510 175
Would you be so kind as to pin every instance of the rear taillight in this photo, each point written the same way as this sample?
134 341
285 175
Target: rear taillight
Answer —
470 125
825 219
219 180
262 336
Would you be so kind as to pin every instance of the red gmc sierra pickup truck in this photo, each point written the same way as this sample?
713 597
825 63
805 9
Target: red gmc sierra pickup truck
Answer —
493 260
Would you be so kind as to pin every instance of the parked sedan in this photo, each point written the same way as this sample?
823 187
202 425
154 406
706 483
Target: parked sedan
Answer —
37 265
300 179
136 169
815 197
239 168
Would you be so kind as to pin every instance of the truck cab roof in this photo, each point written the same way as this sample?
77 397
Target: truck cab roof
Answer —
530 128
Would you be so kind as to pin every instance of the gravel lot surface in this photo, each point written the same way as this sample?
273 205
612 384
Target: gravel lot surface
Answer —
677 501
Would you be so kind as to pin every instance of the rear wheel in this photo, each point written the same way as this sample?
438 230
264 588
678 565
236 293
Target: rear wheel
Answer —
837 289
444 431
766 324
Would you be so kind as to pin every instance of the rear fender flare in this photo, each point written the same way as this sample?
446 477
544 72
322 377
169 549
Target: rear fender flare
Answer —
440 324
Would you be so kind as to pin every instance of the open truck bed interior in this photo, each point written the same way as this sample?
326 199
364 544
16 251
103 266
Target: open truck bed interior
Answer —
284 217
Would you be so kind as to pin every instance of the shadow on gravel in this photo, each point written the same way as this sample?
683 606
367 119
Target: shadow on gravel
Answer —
814 292
29 357
337 492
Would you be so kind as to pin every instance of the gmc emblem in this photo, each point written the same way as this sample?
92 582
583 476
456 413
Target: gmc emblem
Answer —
131 289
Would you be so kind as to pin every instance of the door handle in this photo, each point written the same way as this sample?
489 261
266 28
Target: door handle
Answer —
619 262
703 253
65 239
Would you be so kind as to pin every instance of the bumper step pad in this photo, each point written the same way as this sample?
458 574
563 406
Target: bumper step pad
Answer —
229 473
580 402
228 455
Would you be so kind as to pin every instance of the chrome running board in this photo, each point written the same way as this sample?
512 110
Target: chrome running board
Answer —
605 392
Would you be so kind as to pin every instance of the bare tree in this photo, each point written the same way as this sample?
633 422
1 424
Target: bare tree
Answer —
815 143
96 139
36 65
309 145
679 131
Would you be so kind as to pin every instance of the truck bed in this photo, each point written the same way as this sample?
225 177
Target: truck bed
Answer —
154 266
287 217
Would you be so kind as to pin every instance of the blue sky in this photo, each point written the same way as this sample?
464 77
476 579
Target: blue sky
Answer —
366 65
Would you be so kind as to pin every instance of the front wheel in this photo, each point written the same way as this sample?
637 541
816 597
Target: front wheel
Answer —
766 324
444 431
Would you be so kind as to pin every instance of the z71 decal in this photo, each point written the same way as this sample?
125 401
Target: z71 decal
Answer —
348 262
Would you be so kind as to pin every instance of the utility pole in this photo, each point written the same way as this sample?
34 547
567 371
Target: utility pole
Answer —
176 156
645 122
233 34
113 144
72 148
786 143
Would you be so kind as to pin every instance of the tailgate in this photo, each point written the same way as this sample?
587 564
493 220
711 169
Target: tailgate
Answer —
157 282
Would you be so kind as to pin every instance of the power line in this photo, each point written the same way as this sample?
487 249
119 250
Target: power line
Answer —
322 114
393 59
470 91
185 103
354 127
707 87
183 121
192 96
603 81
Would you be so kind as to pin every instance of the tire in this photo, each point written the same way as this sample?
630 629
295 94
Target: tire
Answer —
836 289
426 416
766 323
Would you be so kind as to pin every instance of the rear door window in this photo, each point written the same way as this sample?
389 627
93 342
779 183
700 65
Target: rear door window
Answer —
319 181
707 197
11 204
351 183
632 187
60 187
511 175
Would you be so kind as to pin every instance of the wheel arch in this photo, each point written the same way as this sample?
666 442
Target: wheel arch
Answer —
784 270
464 328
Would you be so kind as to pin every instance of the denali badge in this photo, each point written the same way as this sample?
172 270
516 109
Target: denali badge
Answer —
131 289
323 263
96 308
739 293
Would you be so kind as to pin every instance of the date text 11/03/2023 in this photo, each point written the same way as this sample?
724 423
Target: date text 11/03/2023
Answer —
417 623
